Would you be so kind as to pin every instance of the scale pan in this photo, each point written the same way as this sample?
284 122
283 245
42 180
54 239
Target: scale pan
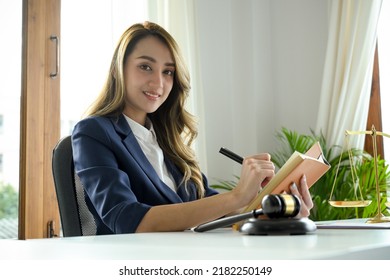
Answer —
350 203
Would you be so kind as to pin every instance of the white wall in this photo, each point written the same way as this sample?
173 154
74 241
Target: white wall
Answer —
261 66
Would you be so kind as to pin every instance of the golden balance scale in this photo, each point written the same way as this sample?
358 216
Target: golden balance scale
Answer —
379 217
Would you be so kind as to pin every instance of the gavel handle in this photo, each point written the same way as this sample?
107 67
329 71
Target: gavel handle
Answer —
227 221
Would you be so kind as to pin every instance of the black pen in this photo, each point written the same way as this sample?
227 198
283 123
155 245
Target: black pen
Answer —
231 155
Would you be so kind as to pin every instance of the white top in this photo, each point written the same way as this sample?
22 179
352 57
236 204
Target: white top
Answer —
147 139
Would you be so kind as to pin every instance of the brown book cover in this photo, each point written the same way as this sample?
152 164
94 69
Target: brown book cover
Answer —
313 164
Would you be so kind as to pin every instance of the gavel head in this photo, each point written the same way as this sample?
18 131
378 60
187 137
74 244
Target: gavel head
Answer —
281 205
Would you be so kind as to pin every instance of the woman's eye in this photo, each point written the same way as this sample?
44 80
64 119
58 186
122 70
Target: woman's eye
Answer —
169 72
145 67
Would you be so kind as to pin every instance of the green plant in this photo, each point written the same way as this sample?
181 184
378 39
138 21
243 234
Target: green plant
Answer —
225 185
8 201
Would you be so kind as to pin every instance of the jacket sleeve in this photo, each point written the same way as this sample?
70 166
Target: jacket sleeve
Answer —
106 185
208 191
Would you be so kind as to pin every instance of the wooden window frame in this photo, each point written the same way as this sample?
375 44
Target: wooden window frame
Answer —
40 119
375 111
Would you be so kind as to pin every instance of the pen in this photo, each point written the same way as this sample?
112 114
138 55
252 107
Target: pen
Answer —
231 155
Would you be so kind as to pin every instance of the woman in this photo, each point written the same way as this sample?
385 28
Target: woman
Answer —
133 153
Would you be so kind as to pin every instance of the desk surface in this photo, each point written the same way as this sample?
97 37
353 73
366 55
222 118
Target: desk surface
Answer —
221 244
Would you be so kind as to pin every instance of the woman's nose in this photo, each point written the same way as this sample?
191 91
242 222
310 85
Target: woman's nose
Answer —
156 80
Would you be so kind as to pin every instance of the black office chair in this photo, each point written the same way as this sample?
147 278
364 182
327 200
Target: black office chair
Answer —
76 219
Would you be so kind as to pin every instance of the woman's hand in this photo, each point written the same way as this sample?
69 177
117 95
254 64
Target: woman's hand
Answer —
302 191
256 172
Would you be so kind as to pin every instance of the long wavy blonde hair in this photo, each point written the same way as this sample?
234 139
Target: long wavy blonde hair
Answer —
175 127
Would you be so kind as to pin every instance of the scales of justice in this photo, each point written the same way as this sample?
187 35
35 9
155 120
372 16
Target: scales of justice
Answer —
379 217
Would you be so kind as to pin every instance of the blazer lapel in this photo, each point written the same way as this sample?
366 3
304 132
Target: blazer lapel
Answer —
131 144
186 193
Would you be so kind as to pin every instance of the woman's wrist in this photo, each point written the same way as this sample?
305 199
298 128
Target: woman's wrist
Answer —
239 198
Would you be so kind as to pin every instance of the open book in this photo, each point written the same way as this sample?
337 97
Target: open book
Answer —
313 164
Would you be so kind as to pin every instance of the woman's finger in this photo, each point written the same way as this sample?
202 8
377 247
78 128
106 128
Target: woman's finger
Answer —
305 193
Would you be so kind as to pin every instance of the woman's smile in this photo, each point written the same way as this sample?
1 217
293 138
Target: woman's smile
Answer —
152 95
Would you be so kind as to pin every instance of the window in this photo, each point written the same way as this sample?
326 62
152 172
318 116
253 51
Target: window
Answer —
10 76
1 163
1 123
384 72
378 114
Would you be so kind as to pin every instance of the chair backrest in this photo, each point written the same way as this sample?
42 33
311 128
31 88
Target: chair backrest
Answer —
76 219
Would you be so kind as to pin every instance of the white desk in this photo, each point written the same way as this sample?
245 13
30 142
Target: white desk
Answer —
221 244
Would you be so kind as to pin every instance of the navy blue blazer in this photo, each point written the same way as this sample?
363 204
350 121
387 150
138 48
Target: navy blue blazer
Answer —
119 182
